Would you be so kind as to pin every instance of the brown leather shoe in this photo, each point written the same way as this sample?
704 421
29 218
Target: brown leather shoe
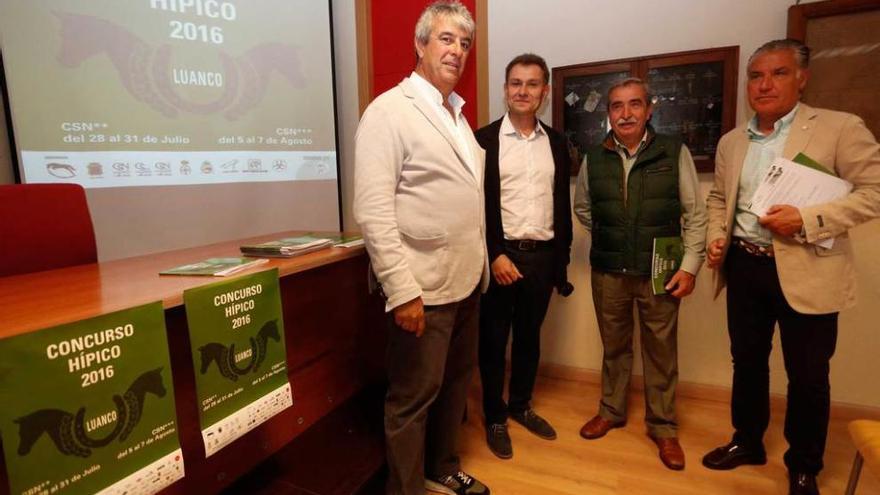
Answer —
670 452
598 427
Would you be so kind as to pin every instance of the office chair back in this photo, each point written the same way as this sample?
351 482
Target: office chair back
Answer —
44 226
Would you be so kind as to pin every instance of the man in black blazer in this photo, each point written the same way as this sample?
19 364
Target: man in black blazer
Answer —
528 236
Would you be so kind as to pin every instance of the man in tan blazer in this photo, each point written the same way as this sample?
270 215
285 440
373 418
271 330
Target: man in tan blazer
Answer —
419 202
775 270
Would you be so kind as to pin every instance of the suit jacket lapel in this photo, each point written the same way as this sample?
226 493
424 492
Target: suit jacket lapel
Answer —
740 149
798 138
431 114
801 131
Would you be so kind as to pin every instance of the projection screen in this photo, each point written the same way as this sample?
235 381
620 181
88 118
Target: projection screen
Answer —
187 121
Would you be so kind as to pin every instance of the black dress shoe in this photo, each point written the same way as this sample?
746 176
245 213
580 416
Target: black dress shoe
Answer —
499 440
802 484
534 423
732 455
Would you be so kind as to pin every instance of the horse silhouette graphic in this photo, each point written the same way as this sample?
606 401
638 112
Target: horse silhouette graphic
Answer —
68 431
145 71
225 356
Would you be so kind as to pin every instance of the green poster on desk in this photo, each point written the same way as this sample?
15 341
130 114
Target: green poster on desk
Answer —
239 358
88 407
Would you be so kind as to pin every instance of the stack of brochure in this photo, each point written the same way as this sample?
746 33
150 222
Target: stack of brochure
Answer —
217 267
287 247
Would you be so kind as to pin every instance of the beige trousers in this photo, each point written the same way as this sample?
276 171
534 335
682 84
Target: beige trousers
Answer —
613 298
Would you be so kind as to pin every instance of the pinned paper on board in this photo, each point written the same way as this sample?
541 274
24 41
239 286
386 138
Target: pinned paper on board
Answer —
592 101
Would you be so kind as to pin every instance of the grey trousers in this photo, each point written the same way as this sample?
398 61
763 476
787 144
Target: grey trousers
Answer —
428 380
613 297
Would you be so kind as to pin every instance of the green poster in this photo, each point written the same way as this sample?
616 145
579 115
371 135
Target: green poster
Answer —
238 354
89 406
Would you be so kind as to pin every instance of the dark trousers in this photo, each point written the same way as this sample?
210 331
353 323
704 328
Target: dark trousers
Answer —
521 307
428 381
755 303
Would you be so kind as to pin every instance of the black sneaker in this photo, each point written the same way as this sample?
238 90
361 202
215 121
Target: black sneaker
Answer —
534 423
499 440
459 483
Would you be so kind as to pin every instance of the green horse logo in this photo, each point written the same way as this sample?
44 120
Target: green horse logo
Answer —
224 356
68 431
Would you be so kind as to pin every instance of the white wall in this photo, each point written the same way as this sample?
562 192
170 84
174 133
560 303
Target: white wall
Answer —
347 113
568 32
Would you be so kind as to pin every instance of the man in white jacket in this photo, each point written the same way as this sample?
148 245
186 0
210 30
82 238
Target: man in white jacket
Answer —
419 202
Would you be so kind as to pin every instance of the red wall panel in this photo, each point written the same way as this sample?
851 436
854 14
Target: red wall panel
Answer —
392 26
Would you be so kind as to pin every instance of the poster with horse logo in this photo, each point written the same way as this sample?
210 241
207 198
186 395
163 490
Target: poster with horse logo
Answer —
239 355
88 406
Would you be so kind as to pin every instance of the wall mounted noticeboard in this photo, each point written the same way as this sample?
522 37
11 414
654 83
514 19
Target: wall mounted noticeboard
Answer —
845 55
694 96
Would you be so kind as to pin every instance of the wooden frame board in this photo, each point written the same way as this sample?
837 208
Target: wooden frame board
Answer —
845 55
693 92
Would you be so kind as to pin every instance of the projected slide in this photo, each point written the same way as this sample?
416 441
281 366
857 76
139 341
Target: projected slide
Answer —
119 93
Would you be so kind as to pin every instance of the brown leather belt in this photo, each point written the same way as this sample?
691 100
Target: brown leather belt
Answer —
753 249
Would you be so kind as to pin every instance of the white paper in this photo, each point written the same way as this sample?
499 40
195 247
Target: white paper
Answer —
790 183
592 101
234 426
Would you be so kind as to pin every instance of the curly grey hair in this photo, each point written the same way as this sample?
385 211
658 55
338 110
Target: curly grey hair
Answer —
449 9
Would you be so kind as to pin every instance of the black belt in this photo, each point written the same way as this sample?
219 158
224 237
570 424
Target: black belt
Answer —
527 244
753 249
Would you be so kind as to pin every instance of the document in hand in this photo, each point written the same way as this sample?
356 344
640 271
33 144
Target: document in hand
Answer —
790 183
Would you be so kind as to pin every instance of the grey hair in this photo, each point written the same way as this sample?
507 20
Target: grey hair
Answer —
800 50
627 82
449 9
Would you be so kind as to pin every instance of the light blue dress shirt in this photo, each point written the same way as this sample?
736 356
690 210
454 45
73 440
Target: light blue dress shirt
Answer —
763 149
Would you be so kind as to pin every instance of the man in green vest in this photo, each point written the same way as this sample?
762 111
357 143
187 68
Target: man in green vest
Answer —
635 187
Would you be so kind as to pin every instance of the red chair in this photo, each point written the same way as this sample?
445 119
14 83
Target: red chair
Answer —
44 226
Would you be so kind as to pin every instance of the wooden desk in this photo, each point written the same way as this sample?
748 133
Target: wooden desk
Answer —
334 333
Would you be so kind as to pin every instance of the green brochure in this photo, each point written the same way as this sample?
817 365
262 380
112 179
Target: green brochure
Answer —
287 247
215 267
89 406
239 357
347 241
806 161
665 260
344 241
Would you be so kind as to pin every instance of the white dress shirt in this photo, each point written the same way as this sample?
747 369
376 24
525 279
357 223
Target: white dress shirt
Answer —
525 164
453 125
